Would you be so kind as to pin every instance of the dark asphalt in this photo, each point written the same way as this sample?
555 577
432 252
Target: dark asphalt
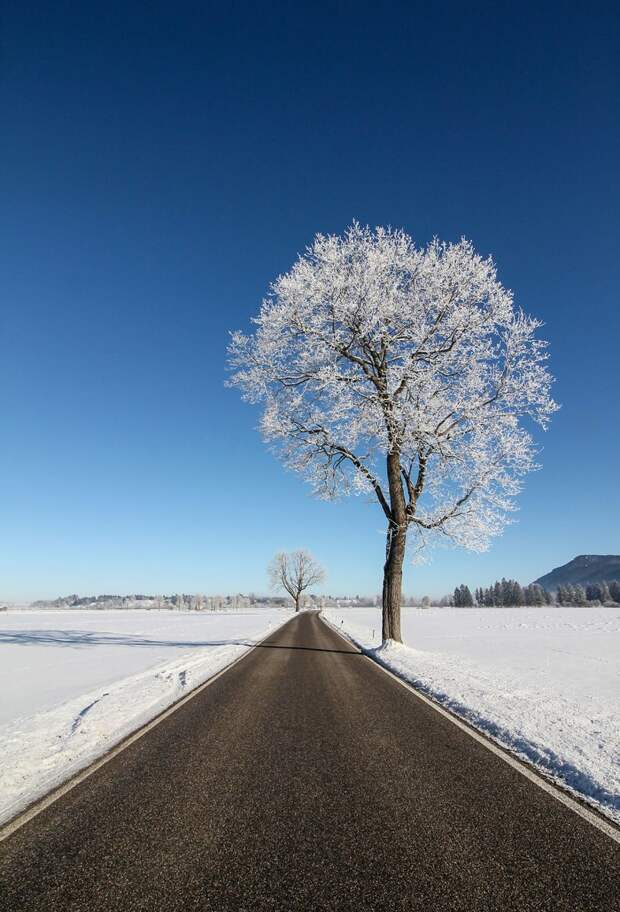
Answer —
306 778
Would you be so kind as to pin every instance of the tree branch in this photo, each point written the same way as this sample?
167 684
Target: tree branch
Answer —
359 465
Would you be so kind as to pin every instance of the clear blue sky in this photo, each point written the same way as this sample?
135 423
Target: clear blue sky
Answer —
161 163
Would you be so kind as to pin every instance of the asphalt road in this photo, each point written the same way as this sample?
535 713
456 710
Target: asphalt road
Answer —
306 778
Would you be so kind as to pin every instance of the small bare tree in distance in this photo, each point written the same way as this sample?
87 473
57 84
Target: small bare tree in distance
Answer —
295 572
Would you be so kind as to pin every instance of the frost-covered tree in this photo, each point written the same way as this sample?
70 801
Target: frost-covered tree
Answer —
402 372
294 573
579 595
614 590
535 595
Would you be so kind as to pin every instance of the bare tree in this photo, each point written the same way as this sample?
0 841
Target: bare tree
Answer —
405 373
295 572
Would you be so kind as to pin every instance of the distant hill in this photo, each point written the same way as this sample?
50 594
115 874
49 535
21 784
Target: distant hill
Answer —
586 568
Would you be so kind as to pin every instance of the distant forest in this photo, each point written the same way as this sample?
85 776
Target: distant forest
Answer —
509 593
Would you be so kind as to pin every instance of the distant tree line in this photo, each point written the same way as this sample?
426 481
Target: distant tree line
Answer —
604 593
510 593
179 601
463 597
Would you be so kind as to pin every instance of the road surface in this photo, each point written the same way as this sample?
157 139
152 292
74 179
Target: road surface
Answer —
305 778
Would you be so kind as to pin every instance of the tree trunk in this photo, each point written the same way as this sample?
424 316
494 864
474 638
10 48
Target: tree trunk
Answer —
394 551
297 602
392 583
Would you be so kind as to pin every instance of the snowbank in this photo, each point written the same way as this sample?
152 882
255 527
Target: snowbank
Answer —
542 682
68 696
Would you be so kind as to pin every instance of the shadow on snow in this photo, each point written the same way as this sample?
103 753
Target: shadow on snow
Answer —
79 638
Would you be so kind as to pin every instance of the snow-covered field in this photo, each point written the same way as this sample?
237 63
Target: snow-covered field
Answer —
74 683
543 682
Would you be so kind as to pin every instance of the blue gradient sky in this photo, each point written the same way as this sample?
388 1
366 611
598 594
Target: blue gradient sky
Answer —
161 164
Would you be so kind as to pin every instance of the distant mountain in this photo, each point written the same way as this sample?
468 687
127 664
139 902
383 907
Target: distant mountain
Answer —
586 568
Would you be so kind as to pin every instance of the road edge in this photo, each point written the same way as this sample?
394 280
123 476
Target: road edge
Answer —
530 772
40 804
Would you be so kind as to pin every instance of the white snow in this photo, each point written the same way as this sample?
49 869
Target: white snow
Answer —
74 683
542 682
